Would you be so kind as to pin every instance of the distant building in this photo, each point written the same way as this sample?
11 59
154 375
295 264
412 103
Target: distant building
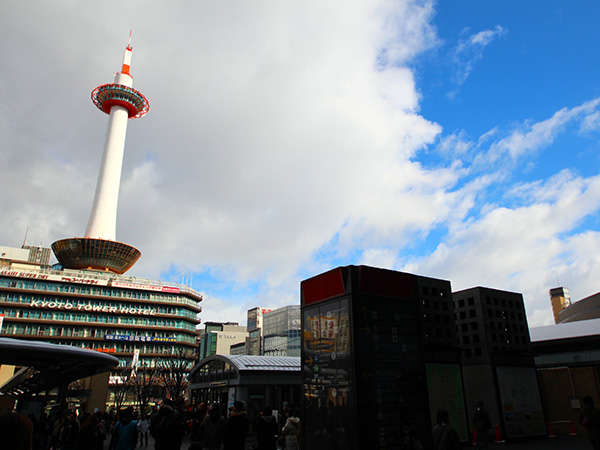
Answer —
584 309
560 299
568 368
255 324
281 332
238 349
217 338
498 365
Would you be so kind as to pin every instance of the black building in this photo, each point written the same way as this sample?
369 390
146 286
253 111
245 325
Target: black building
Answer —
497 361
379 352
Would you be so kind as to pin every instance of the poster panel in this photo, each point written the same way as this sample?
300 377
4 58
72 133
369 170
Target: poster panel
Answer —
521 402
445 388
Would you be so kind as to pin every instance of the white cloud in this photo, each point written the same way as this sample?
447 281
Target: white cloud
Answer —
523 249
469 51
276 132
533 136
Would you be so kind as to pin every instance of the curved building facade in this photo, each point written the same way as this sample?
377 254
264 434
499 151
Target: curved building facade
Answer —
585 309
101 311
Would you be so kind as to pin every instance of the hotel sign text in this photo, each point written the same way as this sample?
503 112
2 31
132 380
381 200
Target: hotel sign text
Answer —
92 308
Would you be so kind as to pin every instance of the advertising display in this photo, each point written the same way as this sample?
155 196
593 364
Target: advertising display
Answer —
444 384
363 367
521 402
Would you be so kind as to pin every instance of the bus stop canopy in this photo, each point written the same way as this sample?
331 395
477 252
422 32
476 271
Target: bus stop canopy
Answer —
46 366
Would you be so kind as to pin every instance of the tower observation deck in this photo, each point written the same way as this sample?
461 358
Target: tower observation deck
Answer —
99 249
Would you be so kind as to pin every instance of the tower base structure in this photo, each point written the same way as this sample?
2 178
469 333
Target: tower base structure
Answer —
95 254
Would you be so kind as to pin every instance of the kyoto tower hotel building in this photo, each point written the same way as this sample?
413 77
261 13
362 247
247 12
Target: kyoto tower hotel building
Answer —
86 300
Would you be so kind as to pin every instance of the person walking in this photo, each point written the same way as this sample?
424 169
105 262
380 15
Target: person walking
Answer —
236 427
266 430
124 434
212 429
481 425
143 426
444 436
290 431
589 418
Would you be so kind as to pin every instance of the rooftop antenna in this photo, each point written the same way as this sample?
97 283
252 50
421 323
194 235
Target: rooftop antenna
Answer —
25 240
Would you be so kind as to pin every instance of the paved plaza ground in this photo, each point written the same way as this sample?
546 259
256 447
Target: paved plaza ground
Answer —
558 443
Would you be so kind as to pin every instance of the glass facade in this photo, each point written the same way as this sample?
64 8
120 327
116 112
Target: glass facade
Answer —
281 332
100 311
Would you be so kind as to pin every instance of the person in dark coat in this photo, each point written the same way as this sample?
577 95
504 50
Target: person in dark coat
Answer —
444 436
266 430
589 418
481 425
236 427
212 428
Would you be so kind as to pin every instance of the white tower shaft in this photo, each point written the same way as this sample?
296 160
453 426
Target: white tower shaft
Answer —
103 219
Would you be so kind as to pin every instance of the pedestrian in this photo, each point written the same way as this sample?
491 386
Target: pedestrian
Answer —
481 425
291 429
236 427
70 432
195 427
16 431
87 432
589 418
124 434
212 428
444 436
266 430
143 426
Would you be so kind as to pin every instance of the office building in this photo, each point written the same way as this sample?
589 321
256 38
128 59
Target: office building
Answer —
497 361
281 332
217 338
255 333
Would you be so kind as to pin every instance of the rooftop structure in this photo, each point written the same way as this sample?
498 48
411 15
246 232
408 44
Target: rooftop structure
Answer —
560 299
98 249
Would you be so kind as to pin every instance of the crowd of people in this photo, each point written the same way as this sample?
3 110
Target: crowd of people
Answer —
208 426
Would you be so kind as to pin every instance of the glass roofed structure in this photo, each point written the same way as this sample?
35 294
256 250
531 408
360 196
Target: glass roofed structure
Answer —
258 381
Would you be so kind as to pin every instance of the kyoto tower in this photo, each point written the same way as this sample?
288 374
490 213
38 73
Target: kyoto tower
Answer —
98 249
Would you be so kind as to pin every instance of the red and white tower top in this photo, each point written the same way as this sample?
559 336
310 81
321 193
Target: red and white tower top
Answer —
121 93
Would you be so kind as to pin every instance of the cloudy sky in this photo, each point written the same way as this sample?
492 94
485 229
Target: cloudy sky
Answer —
455 140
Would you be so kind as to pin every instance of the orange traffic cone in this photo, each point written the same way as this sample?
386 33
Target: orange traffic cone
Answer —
474 437
551 431
499 439
572 431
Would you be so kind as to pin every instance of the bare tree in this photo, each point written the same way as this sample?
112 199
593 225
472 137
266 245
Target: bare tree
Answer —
121 387
145 383
174 369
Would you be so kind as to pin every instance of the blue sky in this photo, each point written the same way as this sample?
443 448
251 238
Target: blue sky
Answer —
457 140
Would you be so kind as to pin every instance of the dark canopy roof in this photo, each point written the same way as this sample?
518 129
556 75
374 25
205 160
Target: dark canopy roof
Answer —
46 366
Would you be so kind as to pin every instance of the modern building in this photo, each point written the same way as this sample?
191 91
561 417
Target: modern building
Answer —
258 381
584 309
567 357
218 337
560 300
378 347
497 361
281 332
255 333
102 311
